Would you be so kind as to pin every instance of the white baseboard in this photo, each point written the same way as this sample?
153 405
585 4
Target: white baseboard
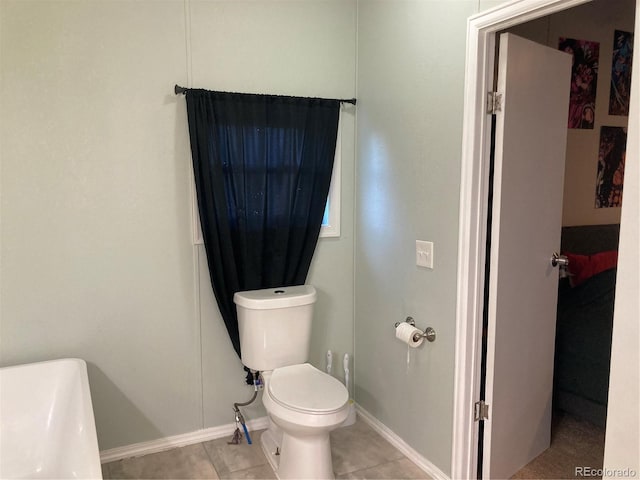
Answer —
166 443
386 433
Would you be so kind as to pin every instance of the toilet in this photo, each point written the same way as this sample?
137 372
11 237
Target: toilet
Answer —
304 404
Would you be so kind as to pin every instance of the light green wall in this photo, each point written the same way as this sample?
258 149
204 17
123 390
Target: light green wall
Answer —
411 58
410 90
97 254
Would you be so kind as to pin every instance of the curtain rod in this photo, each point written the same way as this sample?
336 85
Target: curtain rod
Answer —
182 91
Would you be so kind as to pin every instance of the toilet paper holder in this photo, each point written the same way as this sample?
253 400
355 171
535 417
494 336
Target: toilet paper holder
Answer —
429 333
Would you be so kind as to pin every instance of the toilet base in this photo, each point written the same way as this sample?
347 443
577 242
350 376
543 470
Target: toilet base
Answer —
270 449
306 457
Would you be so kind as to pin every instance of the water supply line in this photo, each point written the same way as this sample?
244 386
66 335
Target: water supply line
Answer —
239 418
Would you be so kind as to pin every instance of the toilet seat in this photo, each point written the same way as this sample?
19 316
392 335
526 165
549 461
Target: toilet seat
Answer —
305 389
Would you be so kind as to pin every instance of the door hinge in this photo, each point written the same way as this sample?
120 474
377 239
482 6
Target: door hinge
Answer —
494 102
480 411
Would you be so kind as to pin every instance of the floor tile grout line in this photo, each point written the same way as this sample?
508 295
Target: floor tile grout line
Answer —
252 467
213 464
229 470
375 466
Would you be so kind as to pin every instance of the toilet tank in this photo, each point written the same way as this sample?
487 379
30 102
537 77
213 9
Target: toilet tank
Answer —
275 326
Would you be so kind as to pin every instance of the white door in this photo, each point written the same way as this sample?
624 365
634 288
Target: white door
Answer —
531 132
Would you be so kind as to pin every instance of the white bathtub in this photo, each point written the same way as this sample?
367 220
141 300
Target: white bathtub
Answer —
47 429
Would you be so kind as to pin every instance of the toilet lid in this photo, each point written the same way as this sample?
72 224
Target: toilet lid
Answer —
306 389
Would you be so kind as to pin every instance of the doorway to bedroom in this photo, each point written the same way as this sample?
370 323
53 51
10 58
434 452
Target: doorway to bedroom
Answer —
600 37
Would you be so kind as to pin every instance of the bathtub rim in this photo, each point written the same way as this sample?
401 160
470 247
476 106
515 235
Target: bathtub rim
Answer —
80 368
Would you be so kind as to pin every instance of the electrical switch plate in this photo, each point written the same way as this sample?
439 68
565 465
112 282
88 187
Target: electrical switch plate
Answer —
424 254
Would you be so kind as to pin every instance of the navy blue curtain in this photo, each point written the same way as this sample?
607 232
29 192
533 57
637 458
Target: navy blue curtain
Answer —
262 168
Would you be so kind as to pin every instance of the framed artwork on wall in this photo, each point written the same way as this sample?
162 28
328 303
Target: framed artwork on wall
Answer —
584 80
621 63
611 158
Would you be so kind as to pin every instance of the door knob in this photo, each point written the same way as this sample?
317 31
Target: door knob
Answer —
557 259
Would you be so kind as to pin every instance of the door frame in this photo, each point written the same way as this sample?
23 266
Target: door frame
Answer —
479 72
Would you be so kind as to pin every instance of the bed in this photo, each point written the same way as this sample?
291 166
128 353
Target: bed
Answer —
585 320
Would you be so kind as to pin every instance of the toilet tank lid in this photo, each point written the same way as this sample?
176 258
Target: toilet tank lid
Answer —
279 297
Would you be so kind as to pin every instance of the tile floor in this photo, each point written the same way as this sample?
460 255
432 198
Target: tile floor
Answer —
358 453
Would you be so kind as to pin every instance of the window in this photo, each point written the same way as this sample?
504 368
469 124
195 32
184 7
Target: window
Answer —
331 219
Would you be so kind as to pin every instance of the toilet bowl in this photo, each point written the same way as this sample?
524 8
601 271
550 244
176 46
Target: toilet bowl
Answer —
305 404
